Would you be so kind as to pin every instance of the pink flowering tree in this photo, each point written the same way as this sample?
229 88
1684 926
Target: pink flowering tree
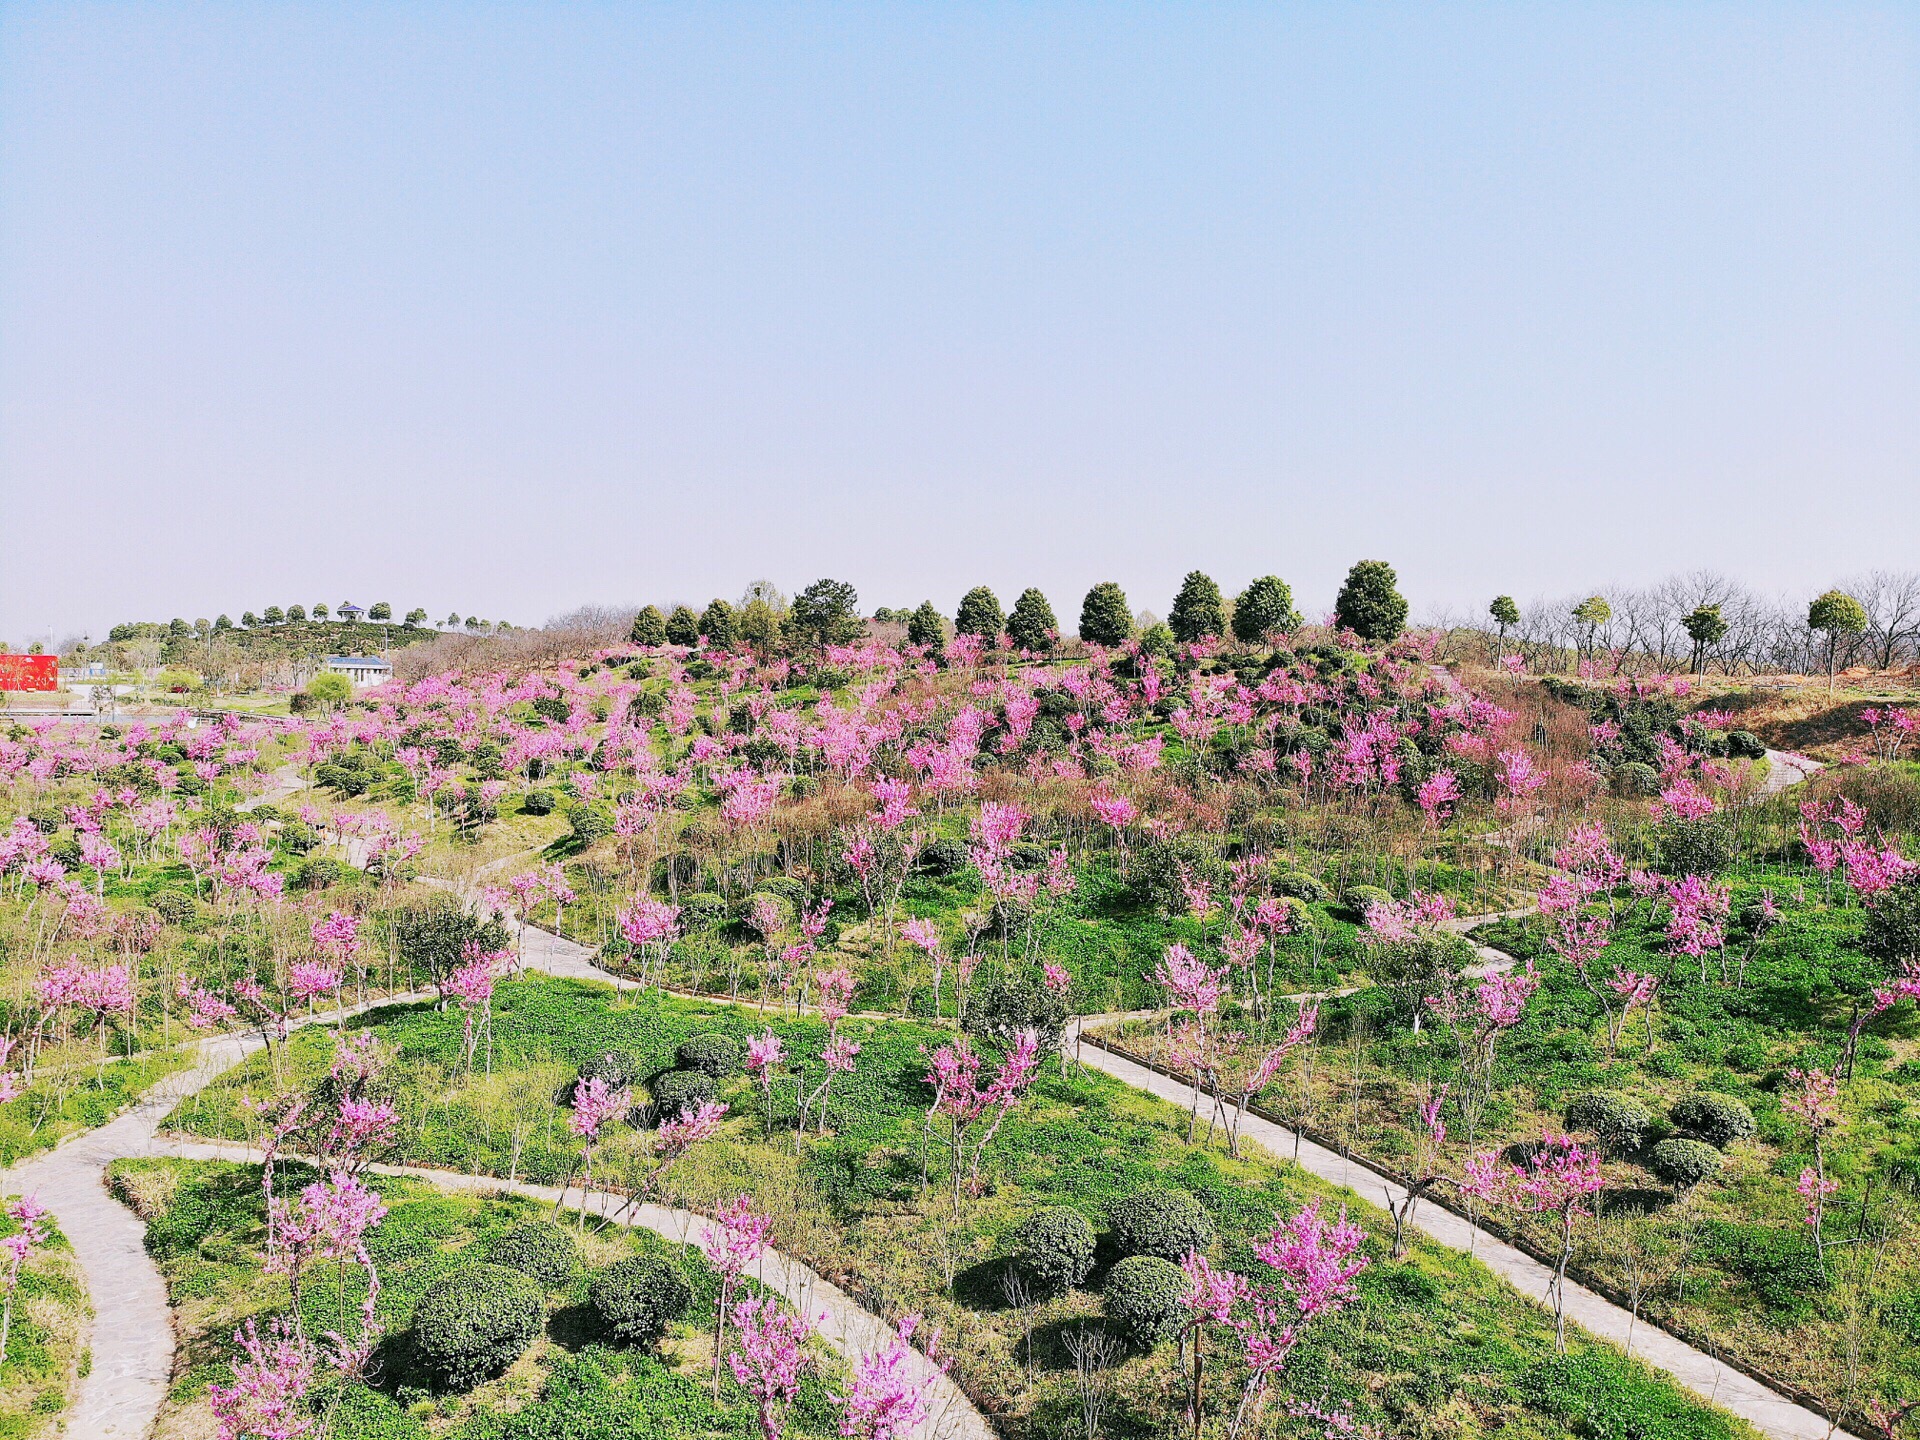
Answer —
1196 990
1242 1068
734 1243
884 1399
471 986
1313 1263
1209 1302
766 1055
1479 1020
1813 1098
972 1112
1424 1173
769 1359
594 1105
651 927
1560 1180
30 1221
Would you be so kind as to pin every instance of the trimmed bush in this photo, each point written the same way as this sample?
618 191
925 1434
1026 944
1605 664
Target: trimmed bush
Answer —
474 1323
1053 1248
701 910
538 1250
637 1299
1636 778
176 907
1618 1122
538 802
589 823
1684 1163
617 1069
1299 885
714 1055
945 856
1165 1223
1704 846
319 872
1745 745
679 1090
1359 898
1717 1119
1142 1299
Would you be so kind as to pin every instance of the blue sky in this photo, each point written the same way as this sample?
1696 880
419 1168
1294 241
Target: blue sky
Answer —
504 308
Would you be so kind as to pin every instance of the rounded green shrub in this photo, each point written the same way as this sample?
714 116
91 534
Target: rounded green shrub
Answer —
1717 1119
1299 885
638 1298
1684 1163
1636 778
1745 745
1360 898
319 872
1619 1122
472 1324
589 823
1165 1223
945 856
538 802
1702 846
1142 1299
616 1069
701 910
176 907
1053 1248
678 1090
539 1250
711 1054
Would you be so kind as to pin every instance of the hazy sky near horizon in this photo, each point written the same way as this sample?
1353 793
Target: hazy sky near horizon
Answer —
503 308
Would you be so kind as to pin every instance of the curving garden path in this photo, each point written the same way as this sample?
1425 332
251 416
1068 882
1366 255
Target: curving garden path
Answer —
132 1341
848 1328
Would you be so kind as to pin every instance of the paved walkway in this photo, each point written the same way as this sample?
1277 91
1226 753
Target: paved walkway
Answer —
851 1330
1785 770
132 1339
1702 1374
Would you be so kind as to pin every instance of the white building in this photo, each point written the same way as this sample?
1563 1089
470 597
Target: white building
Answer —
362 670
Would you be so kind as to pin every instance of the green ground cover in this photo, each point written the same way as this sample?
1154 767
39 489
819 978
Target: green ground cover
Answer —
1437 1345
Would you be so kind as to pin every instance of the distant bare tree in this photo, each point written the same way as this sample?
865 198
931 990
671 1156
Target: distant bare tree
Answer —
1892 601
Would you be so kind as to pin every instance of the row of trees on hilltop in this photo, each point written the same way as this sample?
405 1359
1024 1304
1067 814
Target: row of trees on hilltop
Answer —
827 613
1704 620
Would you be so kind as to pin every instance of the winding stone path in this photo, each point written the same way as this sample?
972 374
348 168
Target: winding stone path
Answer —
132 1337
1704 1375
851 1330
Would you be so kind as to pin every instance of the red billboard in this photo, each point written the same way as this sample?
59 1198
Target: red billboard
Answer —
29 672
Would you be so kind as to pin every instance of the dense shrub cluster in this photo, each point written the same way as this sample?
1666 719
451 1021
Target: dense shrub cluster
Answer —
1142 1299
539 1250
